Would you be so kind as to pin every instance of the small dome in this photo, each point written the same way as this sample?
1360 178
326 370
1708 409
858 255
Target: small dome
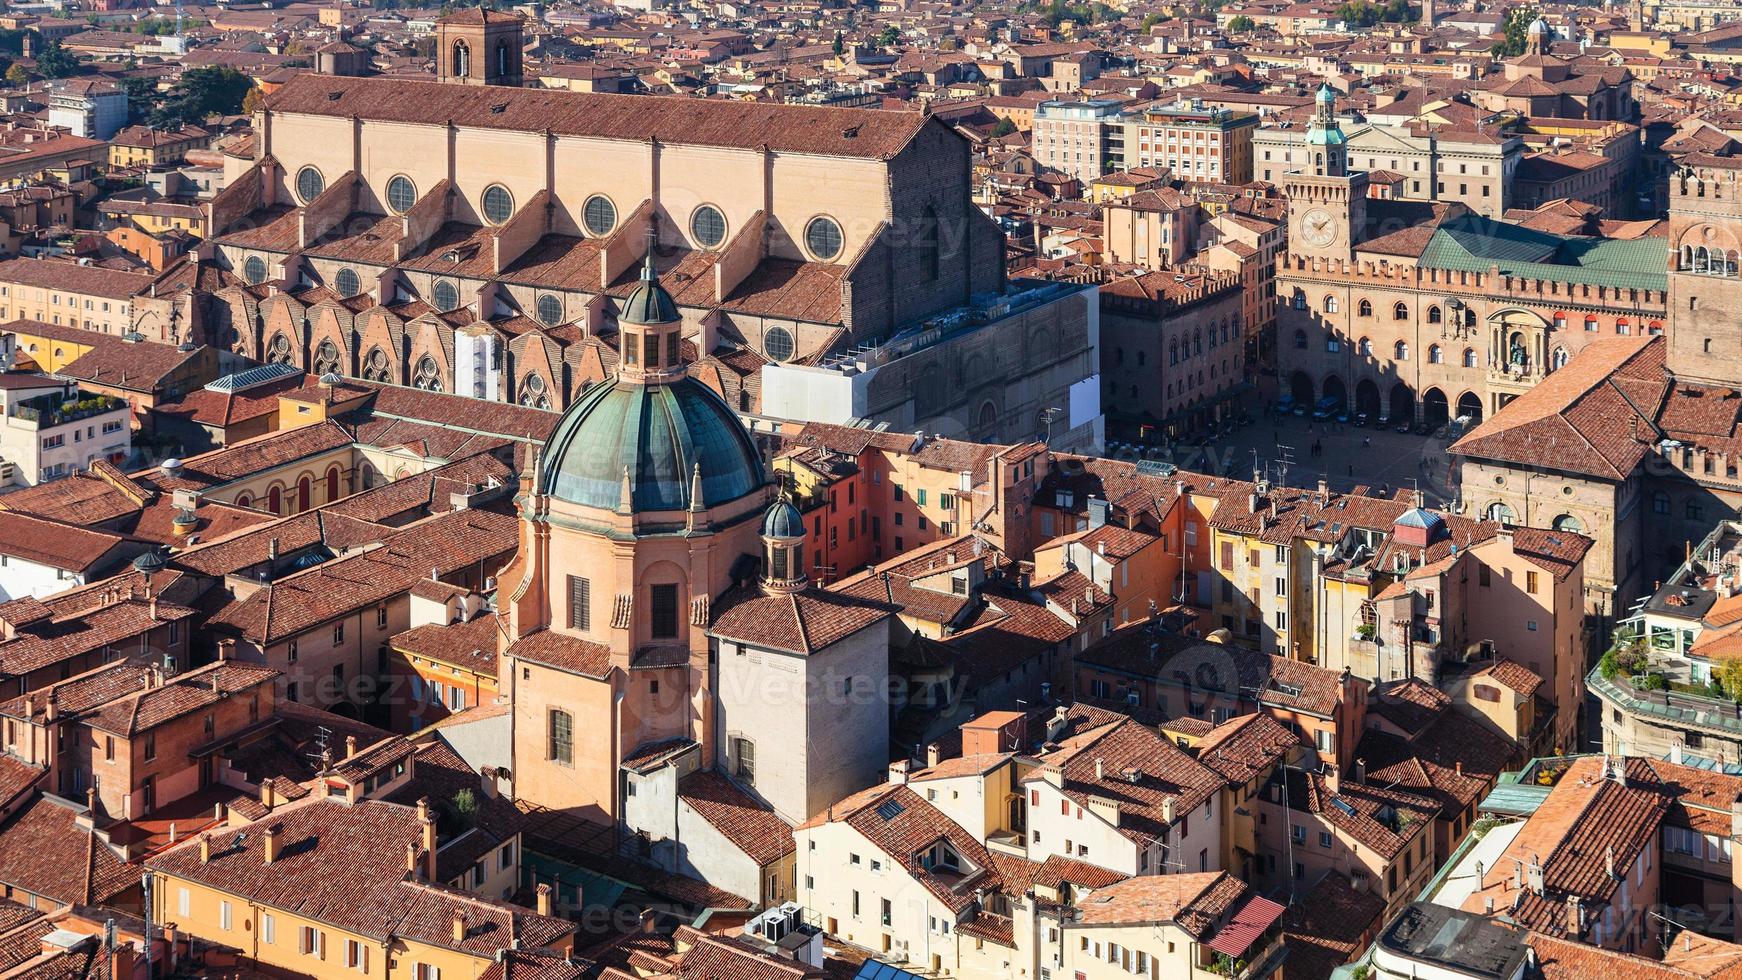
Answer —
648 302
782 520
1327 94
1538 26
659 433
149 562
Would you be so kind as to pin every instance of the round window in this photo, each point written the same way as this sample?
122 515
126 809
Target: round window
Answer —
778 343
708 226
401 194
446 296
823 237
550 309
309 184
254 270
599 215
498 204
345 281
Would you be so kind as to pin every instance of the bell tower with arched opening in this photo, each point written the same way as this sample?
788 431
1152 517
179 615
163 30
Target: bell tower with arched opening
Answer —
479 47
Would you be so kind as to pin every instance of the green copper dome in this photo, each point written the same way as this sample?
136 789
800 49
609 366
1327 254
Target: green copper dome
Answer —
782 520
659 433
648 302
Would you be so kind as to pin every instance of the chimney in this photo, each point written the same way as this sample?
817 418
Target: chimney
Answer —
459 927
226 649
1575 917
1360 770
1167 809
270 847
205 848
933 755
411 858
543 899
1609 860
487 781
123 958
350 746
898 772
427 824
268 796
1100 769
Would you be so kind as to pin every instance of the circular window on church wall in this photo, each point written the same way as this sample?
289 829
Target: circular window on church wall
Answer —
550 309
254 270
445 296
778 343
708 226
309 184
498 204
401 194
599 215
823 237
346 283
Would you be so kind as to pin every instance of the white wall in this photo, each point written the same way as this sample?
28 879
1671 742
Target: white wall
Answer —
19 577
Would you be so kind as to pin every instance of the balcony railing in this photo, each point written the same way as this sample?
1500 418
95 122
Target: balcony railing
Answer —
52 410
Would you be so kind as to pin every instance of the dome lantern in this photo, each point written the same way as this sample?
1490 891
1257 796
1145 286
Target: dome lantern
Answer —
783 547
650 332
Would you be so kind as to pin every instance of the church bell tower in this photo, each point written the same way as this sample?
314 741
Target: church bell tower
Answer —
477 46
1326 202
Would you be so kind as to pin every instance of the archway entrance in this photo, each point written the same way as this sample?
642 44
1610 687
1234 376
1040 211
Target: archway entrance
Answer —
1367 398
1334 389
1402 403
1470 403
1434 409
1301 387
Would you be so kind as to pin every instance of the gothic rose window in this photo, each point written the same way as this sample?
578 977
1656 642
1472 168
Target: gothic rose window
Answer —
533 393
278 352
427 376
326 359
375 365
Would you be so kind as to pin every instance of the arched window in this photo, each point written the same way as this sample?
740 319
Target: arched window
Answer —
1570 524
1331 304
1560 321
1660 503
1119 356
243 500
1300 339
1400 312
1364 308
1590 324
1173 350
1433 314
533 393
278 352
326 359
1435 355
1364 347
1469 357
275 500
332 483
1498 511
1299 299
988 416
375 365
1400 351
1558 359
1197 344
1702 259
462 60
427 376
304 491
504 58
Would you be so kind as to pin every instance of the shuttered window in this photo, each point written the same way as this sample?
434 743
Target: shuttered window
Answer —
664 618
580 603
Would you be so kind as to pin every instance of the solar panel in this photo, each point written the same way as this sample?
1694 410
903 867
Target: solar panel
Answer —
873 970
890 809
1344 807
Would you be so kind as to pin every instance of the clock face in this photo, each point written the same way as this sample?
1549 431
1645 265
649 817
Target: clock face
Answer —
1317 227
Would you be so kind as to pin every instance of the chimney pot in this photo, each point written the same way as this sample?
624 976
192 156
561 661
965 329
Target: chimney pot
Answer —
205 848
459 927
543 899
270 847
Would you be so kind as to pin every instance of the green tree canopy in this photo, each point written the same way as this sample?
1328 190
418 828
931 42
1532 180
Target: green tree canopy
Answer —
1516 33
1241 25
57 62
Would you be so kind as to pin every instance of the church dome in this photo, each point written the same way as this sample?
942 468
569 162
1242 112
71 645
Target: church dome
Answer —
1327 93
648 302
1537 26
782 520
659 433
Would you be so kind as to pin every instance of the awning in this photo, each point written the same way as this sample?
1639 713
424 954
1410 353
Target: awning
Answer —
1246 926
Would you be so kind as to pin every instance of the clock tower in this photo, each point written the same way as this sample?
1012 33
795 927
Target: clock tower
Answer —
1326 202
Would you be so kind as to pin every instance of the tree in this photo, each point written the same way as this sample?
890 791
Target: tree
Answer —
840 45
1004 128
1728 677
1517 33
251 102
1150 20
888 37
1241 25
17 75
57 62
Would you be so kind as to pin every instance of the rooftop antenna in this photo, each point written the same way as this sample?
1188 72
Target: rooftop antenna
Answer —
322 753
